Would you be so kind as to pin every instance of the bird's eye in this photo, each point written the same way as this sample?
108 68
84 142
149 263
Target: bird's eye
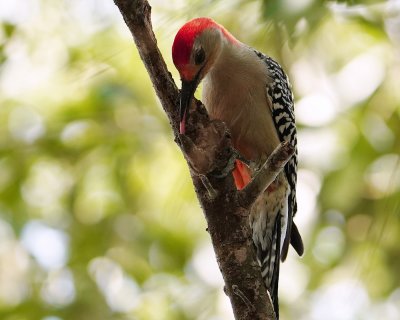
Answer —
199 56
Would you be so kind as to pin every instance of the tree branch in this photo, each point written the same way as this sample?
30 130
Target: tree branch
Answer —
266 175
137 17
208 150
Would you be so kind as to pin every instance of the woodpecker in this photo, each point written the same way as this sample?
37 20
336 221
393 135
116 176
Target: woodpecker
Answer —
250 92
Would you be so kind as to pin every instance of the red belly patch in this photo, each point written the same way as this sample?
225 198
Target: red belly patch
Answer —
241 175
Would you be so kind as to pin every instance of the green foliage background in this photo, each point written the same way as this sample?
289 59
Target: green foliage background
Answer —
98 218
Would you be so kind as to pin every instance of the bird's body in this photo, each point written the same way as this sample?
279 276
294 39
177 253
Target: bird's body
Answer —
251 94
234 91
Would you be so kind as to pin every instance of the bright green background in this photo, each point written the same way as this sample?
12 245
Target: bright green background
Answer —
98 218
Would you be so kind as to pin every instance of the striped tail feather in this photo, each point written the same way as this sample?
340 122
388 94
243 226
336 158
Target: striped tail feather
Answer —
269 259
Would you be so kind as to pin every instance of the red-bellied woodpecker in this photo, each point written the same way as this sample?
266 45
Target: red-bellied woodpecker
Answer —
249 92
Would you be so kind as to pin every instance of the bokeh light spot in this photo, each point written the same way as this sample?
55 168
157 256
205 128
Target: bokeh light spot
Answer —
48 245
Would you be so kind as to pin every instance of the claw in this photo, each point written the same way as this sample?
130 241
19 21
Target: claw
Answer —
230 166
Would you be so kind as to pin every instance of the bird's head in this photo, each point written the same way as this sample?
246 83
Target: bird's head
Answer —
196 47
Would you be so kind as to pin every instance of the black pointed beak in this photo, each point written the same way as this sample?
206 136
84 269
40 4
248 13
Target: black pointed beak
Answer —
187 93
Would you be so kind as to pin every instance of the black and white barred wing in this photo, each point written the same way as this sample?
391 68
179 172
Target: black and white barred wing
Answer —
282 108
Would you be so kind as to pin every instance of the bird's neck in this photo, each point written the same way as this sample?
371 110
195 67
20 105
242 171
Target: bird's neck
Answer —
236 66
233 57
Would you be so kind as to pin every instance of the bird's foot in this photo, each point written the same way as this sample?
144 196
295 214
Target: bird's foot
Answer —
236 155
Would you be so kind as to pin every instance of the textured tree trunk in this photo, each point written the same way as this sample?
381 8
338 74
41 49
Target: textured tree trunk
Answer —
210 156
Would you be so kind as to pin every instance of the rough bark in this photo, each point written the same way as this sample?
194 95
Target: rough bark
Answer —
210 156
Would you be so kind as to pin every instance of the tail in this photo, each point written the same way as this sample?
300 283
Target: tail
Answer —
270 262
